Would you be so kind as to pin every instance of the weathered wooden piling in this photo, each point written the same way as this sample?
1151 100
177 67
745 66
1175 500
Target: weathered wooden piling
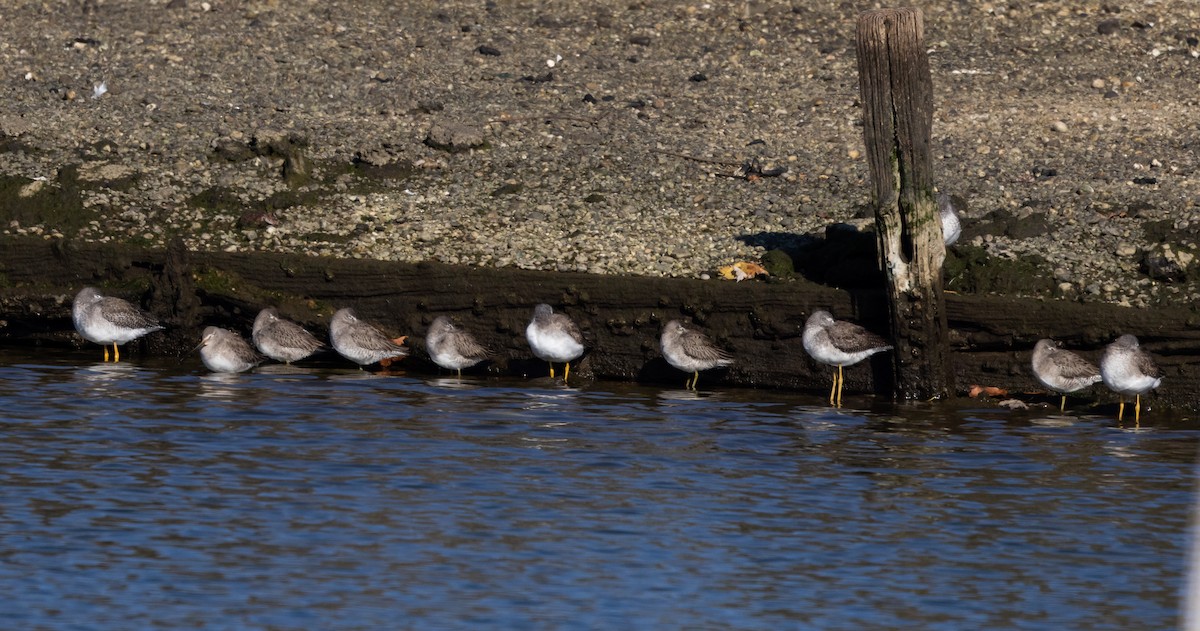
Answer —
897 102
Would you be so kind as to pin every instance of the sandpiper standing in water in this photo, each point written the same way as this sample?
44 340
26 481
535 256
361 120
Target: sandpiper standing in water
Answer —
222 350
106 320
282 340
451 346
554 337
839 343
1061 370
691 351
1127 369
361 342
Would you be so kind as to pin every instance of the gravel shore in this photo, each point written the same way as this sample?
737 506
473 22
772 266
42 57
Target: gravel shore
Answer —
643 138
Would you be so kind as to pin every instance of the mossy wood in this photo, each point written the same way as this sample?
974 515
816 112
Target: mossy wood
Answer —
897 98
759 323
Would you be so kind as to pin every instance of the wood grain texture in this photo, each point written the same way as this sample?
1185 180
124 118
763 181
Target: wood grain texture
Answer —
897 97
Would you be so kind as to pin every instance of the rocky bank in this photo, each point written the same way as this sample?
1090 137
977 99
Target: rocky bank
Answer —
644 138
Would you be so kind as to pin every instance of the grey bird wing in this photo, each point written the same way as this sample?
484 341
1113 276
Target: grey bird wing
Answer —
1072 366
295 336
1147 366
373 339
698 346
569 326
465 345
124 314
248 354
852 338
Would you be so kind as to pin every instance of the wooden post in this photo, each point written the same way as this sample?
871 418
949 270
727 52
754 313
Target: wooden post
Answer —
897 102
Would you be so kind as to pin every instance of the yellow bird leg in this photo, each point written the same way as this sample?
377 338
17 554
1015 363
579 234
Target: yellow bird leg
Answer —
1121 409
105 352
695 379
551 369
1062 407
567 372
841 382
833 389
116 353
1137 410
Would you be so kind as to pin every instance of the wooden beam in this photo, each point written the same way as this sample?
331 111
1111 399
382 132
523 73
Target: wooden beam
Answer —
622 317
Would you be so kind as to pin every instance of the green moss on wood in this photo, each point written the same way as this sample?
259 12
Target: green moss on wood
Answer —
969 269
778 264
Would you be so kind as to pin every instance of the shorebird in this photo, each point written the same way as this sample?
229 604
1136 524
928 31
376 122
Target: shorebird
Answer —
106 320
361 342
839 343
452 347
282 340
691 351
554 337
1061 370
1127 369
951 226
222 350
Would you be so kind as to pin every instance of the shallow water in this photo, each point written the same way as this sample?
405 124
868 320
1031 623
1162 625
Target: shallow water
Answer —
154 495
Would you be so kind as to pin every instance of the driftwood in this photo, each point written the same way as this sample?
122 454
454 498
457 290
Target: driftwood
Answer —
897 97
759 322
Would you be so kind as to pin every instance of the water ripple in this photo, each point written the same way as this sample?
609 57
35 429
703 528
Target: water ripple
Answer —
155 497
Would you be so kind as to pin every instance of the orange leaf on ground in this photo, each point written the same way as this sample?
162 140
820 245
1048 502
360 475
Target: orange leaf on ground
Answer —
751 269
388 361
742 270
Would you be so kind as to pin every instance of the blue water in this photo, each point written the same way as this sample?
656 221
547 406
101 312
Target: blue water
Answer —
153 495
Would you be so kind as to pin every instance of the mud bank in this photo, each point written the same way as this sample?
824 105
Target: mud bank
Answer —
759 322
627 138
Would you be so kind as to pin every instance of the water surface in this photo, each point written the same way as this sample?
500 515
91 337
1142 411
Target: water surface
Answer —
154 495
